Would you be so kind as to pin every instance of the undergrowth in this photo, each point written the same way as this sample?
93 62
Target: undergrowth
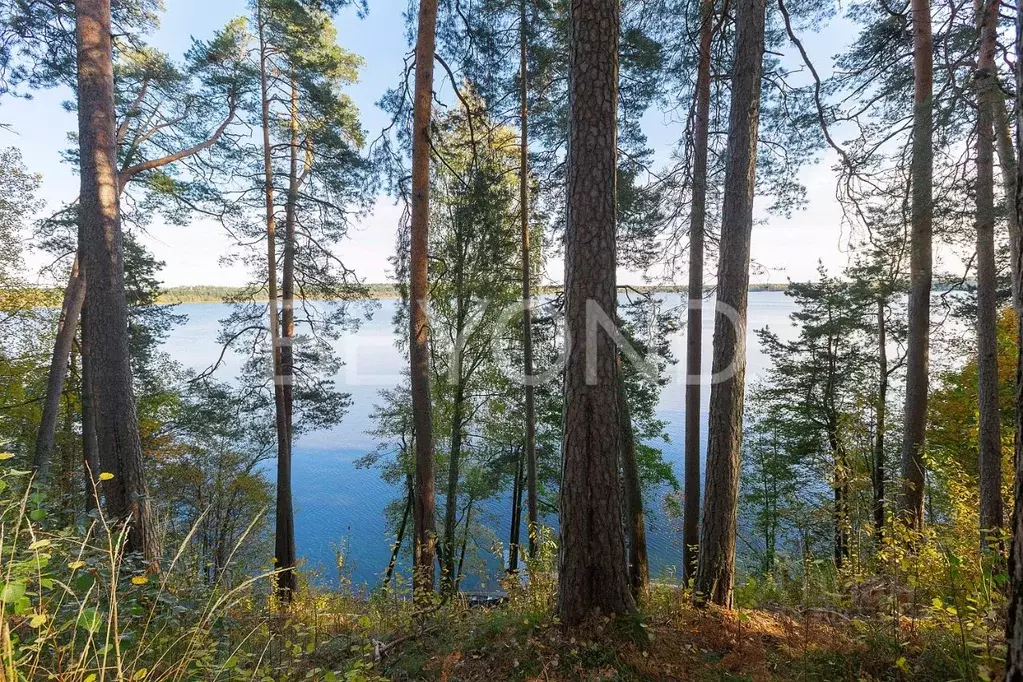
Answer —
73 607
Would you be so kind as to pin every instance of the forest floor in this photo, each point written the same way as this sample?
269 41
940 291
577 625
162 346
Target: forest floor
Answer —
676 642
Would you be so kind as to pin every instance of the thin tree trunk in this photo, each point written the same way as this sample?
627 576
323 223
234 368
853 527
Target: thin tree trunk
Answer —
419 330
285 507
284 536
989 421
881 410
1014 619
465 543
919 318
694 328
67 326
90 448
592 565
1007 164
100 238
841 491
516 518
451 499
409 496
527 289
639 565
715 571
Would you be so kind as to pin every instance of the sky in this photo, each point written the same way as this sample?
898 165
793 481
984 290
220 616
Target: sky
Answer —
782 248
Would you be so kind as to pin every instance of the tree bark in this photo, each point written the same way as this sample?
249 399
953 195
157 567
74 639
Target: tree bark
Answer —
921 266
514 541
285 506
419 330
284 533
527 290
989 420
881 411
1014 619
639 565
1007 164
451 499
409 496
694 328
67 327
593 571
90 448
100 237
715 571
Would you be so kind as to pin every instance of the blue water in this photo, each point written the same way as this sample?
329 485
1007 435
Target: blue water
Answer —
340 507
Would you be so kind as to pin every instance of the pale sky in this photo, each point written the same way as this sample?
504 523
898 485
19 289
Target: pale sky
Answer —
786 248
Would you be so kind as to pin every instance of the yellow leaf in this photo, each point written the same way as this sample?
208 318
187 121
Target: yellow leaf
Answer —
37 620
901 663
6 455
76 565
39 544
140 675
106 476
139 580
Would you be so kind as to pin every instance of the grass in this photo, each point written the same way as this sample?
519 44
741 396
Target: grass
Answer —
74 608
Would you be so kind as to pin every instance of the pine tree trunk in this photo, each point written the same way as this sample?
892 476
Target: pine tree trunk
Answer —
100 237
989 420
694 329
90 448
919 319
419 331
284 535
527 289
715 571
593 572
67 327
881 411
639 565
285 506
1014 619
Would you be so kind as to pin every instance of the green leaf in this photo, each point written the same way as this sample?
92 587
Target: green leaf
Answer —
90 620
12 592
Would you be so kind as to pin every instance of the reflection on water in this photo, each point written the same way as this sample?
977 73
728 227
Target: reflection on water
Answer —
339 507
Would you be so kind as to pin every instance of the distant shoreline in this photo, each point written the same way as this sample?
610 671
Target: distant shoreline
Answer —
381 292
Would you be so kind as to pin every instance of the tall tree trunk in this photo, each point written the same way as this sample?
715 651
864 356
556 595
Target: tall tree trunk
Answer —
514 542
284 535
989 421
285 506
919 320
639 565
694 328
881 412
419 330
592 566
67 326
451 499
100 237
527 289
715 571
1014 619
1007 164
90 448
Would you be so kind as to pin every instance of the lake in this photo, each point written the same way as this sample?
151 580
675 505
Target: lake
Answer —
340 507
